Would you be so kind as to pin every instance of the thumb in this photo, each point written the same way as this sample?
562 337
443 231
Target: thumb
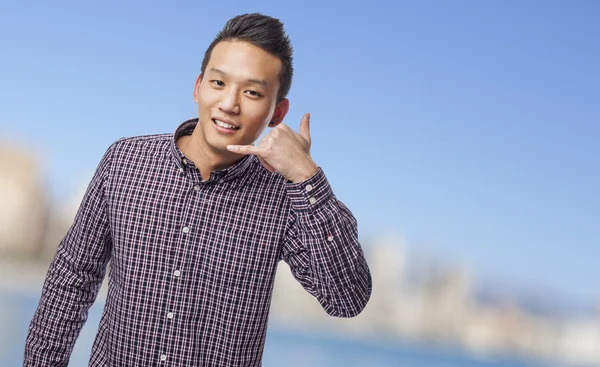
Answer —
305 127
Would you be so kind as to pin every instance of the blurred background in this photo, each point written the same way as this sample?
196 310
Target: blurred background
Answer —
462 134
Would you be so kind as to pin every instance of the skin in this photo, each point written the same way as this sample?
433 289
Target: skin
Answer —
240 86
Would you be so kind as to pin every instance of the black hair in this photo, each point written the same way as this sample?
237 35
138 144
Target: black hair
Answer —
264 32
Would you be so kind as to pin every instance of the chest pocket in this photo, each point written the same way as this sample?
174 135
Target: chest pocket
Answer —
238 259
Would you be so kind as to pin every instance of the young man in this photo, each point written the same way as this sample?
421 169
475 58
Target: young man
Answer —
194 224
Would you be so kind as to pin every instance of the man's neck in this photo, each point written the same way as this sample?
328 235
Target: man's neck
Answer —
204 158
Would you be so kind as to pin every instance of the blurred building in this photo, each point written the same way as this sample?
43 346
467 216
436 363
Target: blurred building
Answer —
60 221
386 308
24 205
580 342
446 300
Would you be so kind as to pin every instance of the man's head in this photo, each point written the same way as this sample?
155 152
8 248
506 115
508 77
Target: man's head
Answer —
264 32
246 75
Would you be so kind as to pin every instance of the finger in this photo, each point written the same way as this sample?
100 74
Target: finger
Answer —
244 149
281 126
305 127
284 129
266 165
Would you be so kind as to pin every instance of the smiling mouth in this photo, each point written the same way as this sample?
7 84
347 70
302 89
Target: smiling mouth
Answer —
225 125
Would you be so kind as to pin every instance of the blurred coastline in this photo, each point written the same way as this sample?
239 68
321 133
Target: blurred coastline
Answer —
431 304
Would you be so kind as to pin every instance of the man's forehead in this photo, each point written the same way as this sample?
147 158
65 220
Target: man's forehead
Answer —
239 59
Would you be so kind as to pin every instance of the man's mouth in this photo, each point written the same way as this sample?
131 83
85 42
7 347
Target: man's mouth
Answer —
224 125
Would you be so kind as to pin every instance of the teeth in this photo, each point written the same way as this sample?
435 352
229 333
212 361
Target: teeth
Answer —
225 125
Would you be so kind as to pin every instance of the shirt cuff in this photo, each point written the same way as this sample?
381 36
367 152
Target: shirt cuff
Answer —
310 194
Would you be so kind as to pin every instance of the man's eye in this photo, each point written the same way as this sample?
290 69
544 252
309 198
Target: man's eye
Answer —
253 93
218 83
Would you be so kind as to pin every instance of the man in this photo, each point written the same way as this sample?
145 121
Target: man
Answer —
194 224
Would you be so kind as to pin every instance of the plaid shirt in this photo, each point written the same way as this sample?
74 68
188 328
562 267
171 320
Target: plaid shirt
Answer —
192 263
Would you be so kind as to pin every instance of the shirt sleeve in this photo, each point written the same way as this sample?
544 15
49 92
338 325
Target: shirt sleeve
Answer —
322 248
73 279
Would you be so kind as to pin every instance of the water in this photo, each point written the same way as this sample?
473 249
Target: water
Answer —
283 346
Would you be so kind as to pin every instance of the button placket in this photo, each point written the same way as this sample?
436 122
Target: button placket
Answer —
192 188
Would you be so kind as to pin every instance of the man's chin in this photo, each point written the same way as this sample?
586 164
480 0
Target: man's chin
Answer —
221 150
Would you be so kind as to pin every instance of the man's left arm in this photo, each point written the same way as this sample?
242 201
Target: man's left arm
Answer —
321 244
322 248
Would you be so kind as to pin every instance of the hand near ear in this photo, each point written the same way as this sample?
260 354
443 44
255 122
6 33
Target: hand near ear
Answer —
285 151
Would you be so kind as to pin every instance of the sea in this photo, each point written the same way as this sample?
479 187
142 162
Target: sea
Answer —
283 347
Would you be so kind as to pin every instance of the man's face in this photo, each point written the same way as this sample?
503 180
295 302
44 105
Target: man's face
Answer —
237 96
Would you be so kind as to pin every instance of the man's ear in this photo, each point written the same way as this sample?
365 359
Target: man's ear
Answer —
197 88
281 109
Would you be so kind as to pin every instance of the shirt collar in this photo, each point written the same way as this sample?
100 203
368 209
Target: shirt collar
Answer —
229 173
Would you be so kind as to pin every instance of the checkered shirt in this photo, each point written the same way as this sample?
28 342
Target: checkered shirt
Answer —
192 263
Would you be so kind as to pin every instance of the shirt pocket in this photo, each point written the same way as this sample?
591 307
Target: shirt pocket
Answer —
238 259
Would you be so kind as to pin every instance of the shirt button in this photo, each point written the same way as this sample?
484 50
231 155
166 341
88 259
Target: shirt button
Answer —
186 230
181 169
170 315
221 181
197 187
330 238
312 200
163 357
308 188
177 273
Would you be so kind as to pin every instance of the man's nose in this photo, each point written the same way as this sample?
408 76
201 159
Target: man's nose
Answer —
229 102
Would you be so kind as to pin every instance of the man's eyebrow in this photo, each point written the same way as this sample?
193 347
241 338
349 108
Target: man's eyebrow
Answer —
251 81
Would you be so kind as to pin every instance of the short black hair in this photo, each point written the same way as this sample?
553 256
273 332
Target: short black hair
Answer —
264 32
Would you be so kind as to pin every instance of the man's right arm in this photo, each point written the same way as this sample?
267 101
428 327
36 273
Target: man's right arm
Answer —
73 279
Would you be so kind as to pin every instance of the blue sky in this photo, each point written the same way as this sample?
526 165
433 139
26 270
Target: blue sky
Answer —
469 128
